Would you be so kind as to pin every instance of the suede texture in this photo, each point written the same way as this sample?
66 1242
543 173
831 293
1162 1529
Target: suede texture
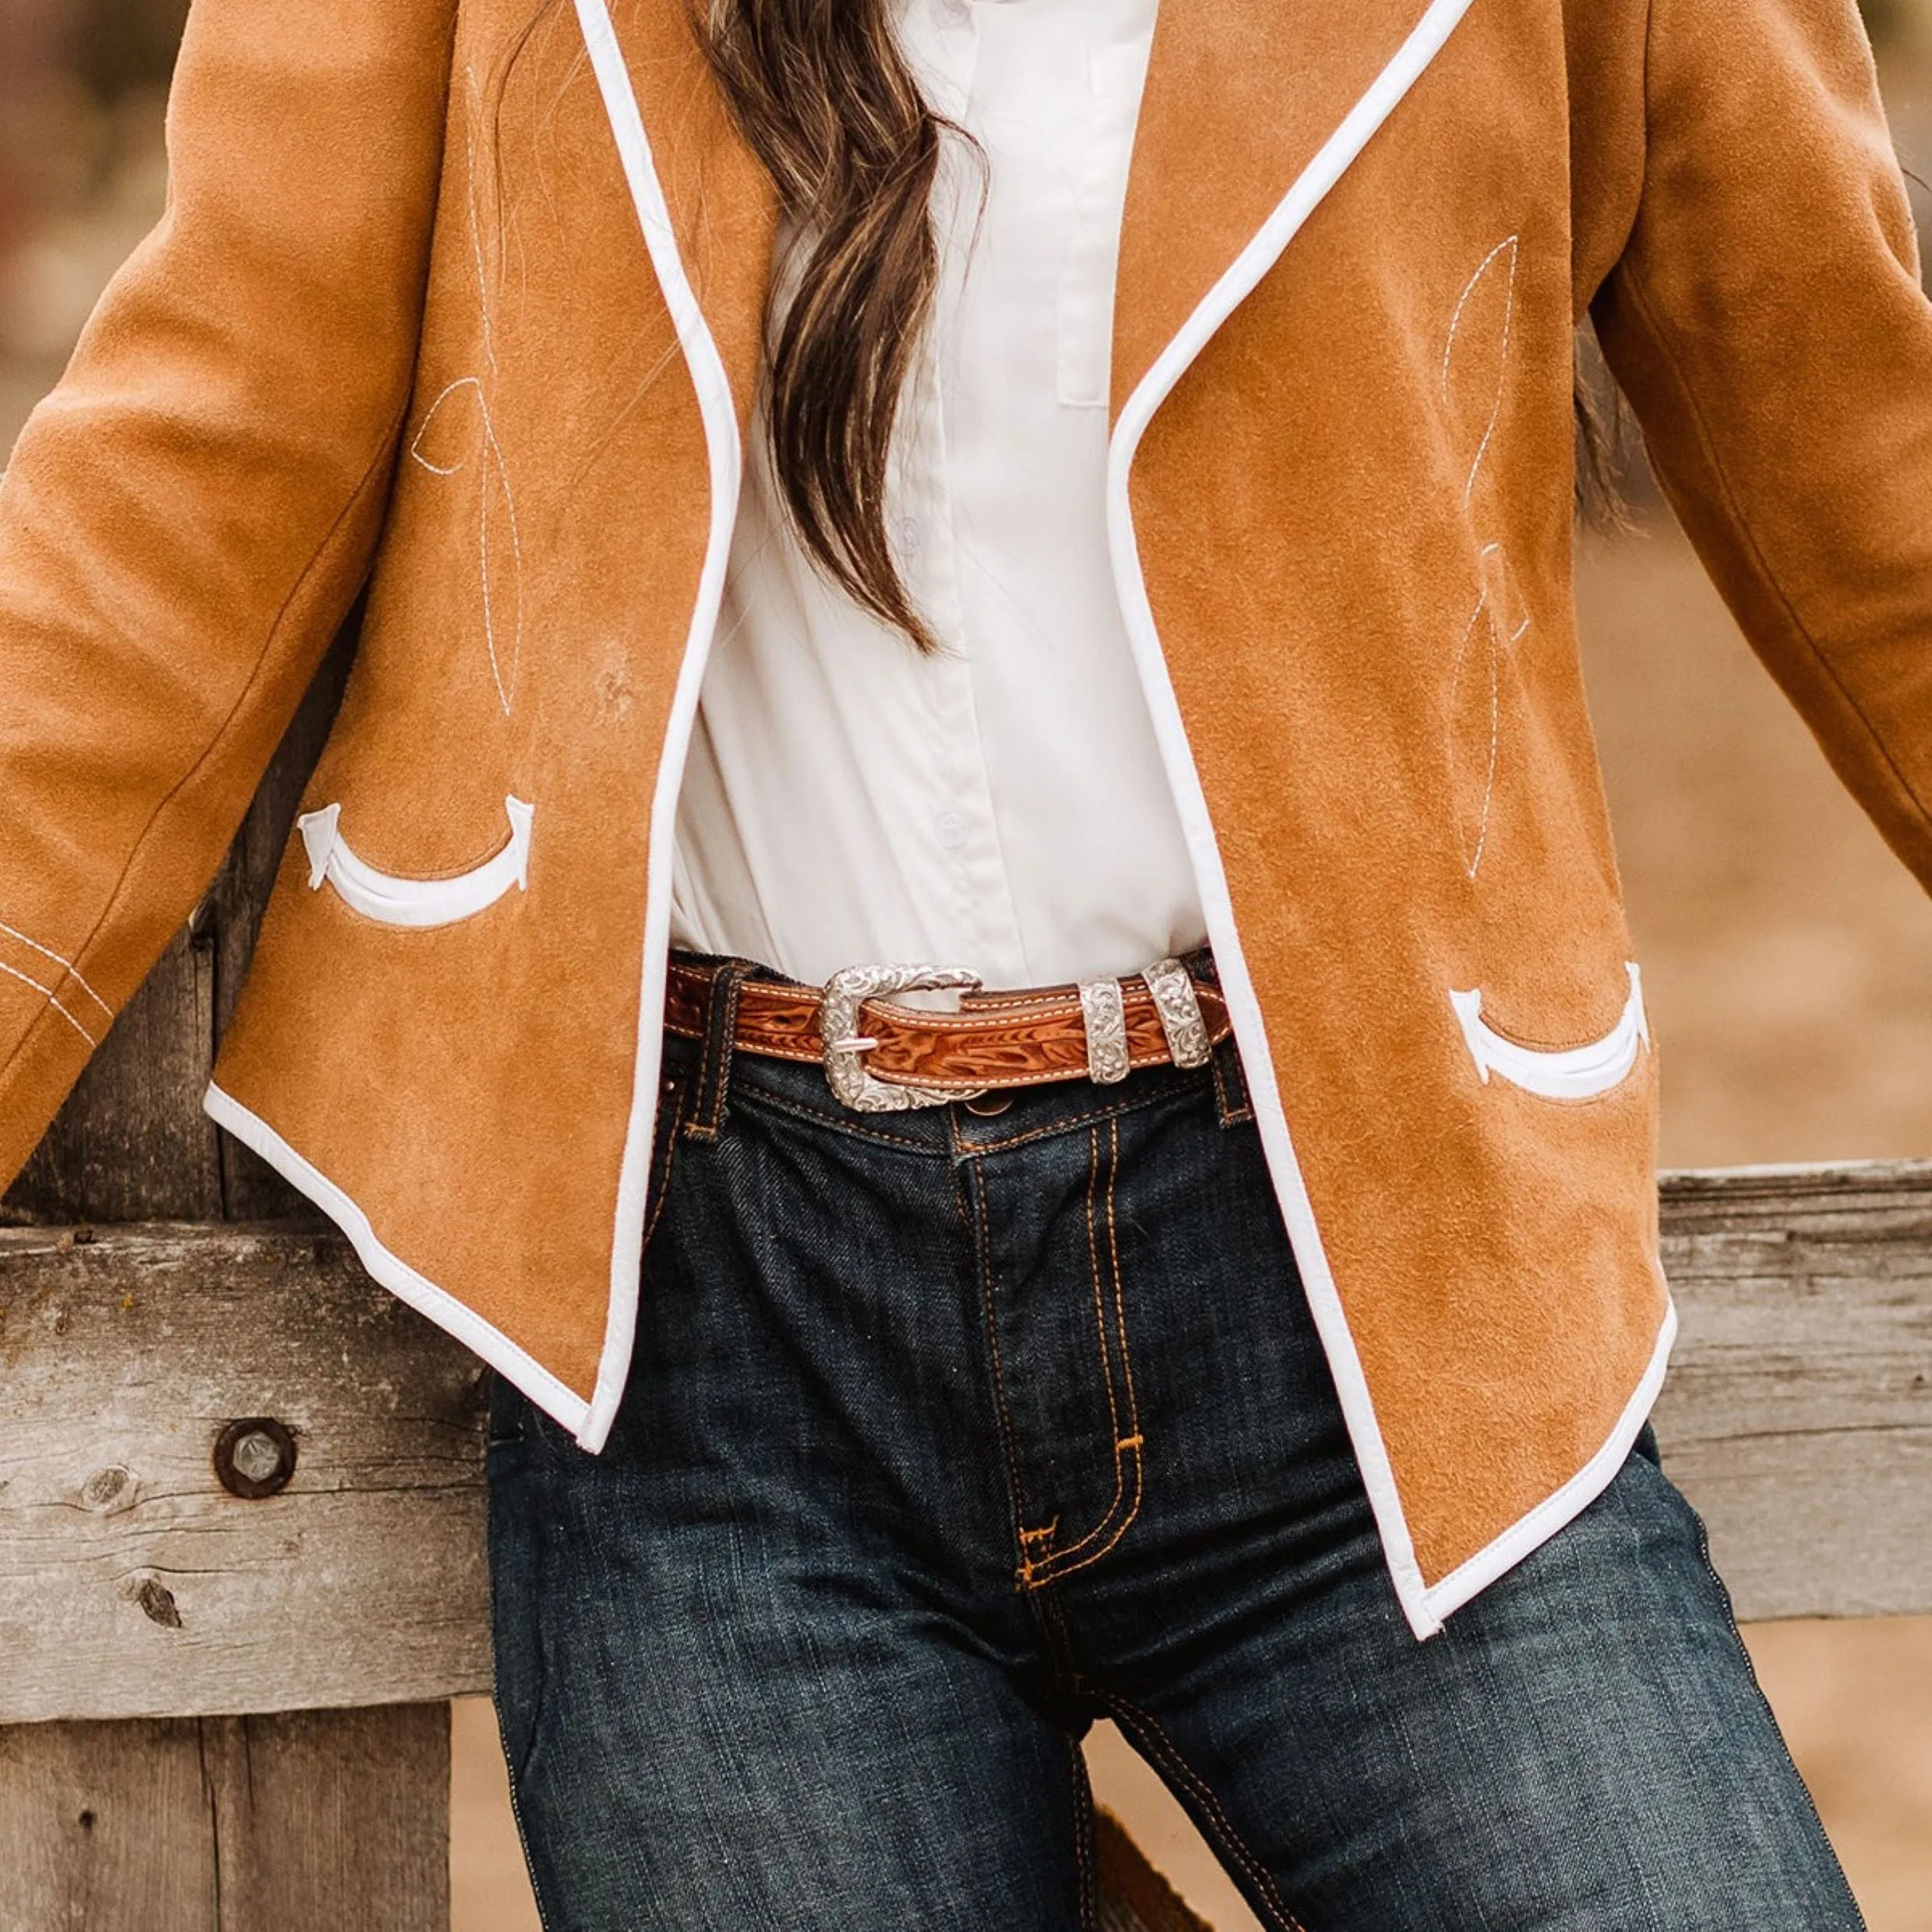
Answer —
400 327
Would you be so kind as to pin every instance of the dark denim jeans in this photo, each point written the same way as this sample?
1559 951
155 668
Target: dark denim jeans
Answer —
949 1432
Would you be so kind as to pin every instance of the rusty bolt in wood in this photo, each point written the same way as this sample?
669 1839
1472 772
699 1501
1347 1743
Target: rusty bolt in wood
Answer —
255 1458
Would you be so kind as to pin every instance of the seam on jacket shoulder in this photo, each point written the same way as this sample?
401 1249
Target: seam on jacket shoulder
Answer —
1634 282
376 472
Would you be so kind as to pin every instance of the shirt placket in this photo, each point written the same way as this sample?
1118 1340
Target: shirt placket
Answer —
981 922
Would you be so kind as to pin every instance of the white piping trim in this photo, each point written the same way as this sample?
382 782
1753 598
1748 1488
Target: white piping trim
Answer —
419 902
1425 1607
389 1269
1574 1073
719 415
1470 1579
1254 261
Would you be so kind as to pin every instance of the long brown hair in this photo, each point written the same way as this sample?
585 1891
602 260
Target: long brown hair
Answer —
822 93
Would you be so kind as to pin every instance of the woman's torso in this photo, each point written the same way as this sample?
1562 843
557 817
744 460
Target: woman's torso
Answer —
1000 805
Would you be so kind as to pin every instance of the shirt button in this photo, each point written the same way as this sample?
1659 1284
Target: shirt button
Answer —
950 829
911 534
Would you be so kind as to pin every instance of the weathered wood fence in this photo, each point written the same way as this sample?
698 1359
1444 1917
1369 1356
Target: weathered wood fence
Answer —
228 1712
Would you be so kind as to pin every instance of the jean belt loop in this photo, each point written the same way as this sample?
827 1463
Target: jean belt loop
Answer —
708 1100
1231 1084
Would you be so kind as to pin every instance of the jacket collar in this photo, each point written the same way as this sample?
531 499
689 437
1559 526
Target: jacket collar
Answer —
722 204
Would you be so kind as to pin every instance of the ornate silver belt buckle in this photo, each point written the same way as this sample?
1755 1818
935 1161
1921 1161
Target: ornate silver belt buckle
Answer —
845 1047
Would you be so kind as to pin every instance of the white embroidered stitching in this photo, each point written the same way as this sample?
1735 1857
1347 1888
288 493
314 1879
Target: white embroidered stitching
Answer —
48 993
47 953
492 448
1492 558
1502 364
1473 864
473 106
415 447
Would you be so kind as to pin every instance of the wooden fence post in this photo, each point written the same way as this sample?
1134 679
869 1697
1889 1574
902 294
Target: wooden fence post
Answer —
329 1819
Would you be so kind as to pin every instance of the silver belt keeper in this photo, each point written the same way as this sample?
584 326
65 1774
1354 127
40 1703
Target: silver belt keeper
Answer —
1105 1014
1174 1000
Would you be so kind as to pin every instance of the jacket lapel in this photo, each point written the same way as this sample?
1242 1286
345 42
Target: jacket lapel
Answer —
1248 101
722 205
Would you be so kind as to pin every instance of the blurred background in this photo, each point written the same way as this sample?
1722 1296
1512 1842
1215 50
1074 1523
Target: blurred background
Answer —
1788 958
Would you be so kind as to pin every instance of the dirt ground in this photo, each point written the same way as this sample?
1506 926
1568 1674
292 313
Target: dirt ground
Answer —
1787 963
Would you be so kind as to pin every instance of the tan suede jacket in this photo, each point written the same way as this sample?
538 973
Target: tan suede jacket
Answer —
482 334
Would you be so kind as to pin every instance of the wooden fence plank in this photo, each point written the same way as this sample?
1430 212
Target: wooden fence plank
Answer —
1798 1417
331 1820
92 1839
132 1583
1798 1413
325 1821
1133 1896
126 1566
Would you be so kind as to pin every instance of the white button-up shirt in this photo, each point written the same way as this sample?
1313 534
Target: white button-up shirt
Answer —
1001 806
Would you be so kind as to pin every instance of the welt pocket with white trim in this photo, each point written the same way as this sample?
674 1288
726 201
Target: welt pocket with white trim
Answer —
396 900
1574 1073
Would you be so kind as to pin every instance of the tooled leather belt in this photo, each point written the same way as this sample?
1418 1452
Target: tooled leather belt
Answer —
882 1055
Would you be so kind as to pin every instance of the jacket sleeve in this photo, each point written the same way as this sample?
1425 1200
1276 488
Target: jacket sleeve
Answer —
1767 322
187 518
